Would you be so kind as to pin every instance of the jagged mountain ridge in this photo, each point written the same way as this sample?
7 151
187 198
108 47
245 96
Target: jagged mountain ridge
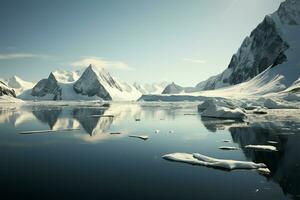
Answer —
269 55
94 83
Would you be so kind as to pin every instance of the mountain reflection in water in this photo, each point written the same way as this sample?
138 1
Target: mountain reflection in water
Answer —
98 123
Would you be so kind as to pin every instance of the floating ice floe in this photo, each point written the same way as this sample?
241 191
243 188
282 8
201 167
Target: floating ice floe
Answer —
143 137
226 141
261 147
199 159
48 131
157 131
218 108
272 142
228 148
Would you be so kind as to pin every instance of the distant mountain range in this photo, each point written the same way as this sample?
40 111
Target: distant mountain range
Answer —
91 83
267 61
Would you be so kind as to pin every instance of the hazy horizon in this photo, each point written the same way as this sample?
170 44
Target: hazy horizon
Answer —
143 41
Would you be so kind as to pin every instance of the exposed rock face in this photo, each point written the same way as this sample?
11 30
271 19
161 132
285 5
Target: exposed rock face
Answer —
4 90
289 12
173 89
90 83
47 86
264 48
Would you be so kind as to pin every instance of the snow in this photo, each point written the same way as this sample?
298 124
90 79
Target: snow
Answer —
18 84
63 76
155 88
199 159
261 147
9 99
264 171
143 137
93 82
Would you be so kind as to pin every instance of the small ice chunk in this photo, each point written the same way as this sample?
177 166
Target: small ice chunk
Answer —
226 141
264 170
143 137
261 147
157 131
272 142
48 131
199 159
170 131
228 148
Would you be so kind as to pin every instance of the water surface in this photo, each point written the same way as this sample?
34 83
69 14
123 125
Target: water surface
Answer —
91 162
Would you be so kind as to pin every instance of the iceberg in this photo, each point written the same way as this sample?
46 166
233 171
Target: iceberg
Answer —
221 109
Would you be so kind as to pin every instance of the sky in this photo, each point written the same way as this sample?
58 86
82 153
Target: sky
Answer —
185 41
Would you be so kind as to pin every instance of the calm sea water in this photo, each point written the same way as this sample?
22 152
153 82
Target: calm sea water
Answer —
90 162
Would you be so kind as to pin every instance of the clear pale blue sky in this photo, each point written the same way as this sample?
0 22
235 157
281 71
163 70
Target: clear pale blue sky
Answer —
185 41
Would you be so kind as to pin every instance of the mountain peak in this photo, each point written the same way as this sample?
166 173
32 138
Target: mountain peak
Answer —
173 89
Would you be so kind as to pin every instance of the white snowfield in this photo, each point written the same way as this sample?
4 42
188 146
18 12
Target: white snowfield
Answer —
199 159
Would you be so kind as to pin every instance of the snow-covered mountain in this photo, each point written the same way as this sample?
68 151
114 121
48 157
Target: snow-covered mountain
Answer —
267 61
6 91
94 83
7 94
18 84
97 81
272 48
155 88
